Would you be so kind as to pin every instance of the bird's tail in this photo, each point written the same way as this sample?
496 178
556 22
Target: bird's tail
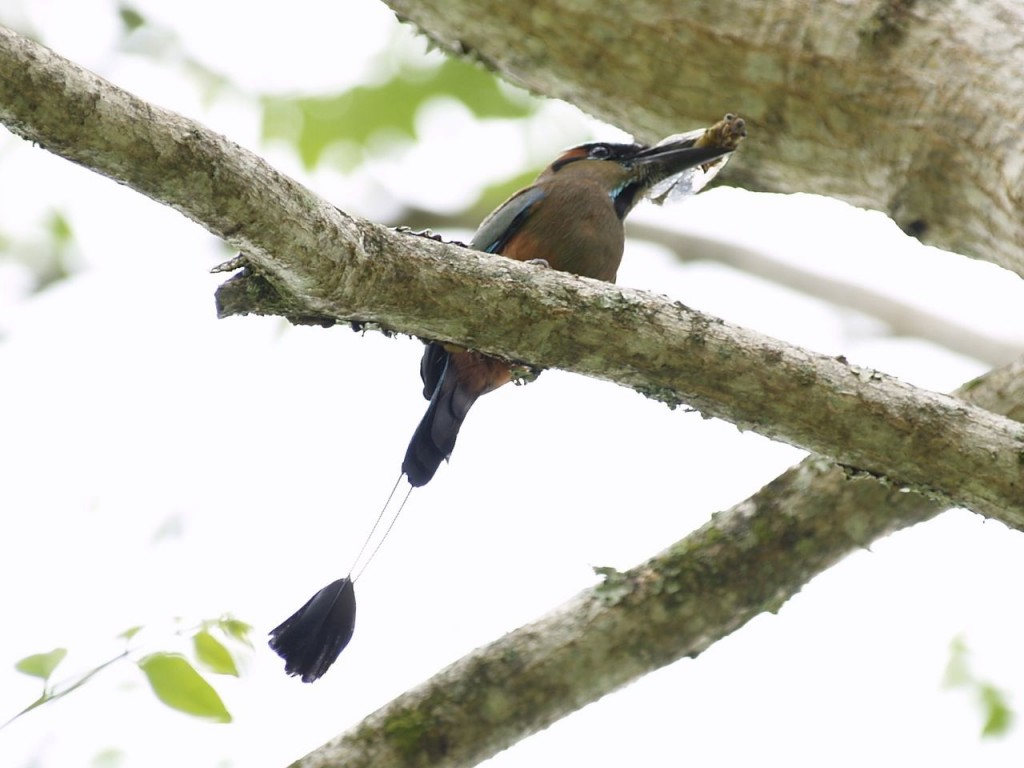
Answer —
311 639
465 377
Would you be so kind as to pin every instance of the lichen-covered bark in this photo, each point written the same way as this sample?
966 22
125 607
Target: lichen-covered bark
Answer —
744 561
861 418
911 108
901 317
312 262
325 264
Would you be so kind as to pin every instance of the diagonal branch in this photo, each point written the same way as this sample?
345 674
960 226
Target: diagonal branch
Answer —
903 319
313 261
322 263
746 560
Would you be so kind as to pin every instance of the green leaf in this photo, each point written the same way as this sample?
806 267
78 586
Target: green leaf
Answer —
108 758
958 671
60 228
234 628
41 664
177 684
131 632
995 709
131 19
314 123
998 715
212 654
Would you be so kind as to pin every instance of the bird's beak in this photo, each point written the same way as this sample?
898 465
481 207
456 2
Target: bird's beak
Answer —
662 161
683 164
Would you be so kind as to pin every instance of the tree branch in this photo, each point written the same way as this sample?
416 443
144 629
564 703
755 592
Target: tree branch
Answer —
903 319
748 559
890 105
315 262
324 264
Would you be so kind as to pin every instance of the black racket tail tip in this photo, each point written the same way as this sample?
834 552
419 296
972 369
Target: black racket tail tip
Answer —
312 638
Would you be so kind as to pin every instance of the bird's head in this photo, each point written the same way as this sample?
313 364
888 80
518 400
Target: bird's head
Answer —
629 172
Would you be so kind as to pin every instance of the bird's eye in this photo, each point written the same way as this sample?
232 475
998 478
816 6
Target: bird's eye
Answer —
599 152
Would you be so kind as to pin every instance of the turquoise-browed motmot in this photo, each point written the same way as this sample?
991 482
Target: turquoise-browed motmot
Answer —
570 218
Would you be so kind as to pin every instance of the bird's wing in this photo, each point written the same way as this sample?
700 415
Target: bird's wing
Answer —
492 236
432 364
496 230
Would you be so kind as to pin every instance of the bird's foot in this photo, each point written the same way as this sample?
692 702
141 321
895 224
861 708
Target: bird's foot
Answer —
522 373
429 234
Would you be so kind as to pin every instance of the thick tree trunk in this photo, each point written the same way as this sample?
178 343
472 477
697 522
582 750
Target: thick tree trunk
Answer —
911 108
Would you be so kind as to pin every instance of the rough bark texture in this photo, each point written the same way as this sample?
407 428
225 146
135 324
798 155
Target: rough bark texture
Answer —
902 318
321 263
744 561
851 106
911 108
861 418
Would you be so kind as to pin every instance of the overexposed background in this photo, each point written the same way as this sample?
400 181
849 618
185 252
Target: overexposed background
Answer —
158 463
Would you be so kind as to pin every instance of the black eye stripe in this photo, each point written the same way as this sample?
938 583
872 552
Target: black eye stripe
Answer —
599 151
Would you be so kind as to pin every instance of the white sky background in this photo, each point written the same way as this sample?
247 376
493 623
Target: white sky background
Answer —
156 462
